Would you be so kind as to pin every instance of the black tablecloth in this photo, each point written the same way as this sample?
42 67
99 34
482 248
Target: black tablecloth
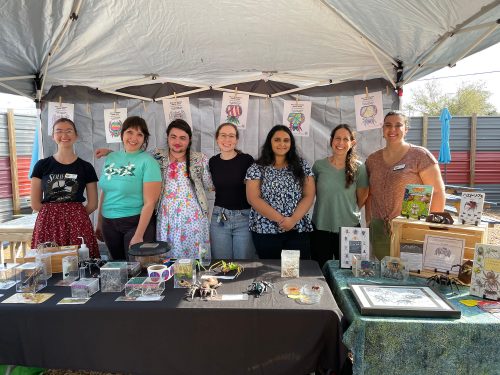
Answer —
268 335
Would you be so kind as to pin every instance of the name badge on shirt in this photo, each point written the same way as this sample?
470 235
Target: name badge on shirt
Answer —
398 167
70 176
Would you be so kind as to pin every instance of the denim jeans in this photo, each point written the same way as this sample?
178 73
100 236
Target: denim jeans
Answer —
231 238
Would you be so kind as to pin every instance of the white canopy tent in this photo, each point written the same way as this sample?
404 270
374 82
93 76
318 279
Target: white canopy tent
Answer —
146 50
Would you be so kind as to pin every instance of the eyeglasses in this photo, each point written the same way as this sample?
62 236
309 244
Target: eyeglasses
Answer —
67 132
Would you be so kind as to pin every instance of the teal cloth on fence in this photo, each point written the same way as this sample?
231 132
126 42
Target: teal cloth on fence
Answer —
394 345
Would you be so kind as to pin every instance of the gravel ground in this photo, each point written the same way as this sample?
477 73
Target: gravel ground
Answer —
494 232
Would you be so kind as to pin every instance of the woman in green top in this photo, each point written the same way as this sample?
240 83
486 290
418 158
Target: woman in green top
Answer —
341 190
130 184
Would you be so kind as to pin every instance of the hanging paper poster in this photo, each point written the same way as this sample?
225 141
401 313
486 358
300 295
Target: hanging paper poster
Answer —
113 120
297 116
234 109
177 108
369 111
59 110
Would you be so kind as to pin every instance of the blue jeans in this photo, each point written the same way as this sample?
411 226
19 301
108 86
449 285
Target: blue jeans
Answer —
231 239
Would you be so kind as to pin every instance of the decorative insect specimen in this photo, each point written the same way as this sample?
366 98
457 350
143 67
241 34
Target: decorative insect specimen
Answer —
205 288
444 280
258 288
225 267
464 271
30 284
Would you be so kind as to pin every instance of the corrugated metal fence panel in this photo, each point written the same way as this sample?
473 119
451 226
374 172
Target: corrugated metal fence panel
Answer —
457 172
492 193
5 210
25 128
488 134
487 167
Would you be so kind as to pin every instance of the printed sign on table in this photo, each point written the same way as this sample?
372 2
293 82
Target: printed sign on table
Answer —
59 110
113 121
353 241
297 116
177 108
369 111
471 208
234 109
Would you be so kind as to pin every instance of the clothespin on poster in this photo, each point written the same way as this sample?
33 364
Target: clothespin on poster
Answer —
88 107
144 106
366 91
175 96
297 100
235 92
114 106
337 100
60 101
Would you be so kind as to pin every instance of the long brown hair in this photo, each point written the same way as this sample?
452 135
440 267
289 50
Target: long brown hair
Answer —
351 160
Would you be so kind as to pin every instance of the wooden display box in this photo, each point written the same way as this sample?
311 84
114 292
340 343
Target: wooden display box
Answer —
57 254
413 231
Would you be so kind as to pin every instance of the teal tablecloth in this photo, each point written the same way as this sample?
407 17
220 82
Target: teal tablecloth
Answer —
391 345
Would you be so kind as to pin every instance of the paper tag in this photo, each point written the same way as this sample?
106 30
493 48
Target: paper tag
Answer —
230 297
469 302
72 301
398 167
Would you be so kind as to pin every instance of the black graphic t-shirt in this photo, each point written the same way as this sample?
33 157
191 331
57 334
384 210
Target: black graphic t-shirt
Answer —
64 182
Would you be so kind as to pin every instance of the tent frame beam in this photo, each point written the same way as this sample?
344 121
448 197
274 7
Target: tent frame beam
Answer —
427 55
53 49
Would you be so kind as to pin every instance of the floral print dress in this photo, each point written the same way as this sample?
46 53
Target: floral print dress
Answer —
181 222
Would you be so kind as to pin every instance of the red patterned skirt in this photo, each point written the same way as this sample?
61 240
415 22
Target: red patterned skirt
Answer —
63 223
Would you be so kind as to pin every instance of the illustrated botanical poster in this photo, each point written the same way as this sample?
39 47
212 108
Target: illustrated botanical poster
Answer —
177 108
485 281
58 110
369 111
234 109
113 120
297 116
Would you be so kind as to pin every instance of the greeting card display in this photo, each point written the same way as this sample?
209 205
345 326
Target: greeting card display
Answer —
353 241
393 268
485 282
442 253
417 201
471 208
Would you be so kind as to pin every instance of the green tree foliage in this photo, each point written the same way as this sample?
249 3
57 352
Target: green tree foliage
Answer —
471 97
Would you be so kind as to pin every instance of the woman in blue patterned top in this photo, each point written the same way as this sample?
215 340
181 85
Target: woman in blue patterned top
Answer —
280 189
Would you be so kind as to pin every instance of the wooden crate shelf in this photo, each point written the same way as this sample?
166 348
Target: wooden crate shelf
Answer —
413 231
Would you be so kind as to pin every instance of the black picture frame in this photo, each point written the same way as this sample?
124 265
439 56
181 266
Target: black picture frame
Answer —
402 300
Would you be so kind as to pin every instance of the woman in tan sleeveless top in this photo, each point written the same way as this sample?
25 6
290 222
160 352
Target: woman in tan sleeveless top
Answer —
390 170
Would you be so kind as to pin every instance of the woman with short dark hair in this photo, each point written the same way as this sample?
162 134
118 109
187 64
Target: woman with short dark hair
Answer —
130 183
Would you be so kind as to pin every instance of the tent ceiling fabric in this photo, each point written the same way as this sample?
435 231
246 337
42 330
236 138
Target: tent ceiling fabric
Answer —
220 42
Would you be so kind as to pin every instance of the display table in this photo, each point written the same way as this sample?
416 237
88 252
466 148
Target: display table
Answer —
17 234
385 345
268 335
413 231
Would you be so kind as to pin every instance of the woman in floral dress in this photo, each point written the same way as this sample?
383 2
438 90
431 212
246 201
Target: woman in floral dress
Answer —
182 219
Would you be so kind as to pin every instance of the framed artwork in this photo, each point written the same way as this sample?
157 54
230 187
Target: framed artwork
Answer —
401 300
353 241
442 253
